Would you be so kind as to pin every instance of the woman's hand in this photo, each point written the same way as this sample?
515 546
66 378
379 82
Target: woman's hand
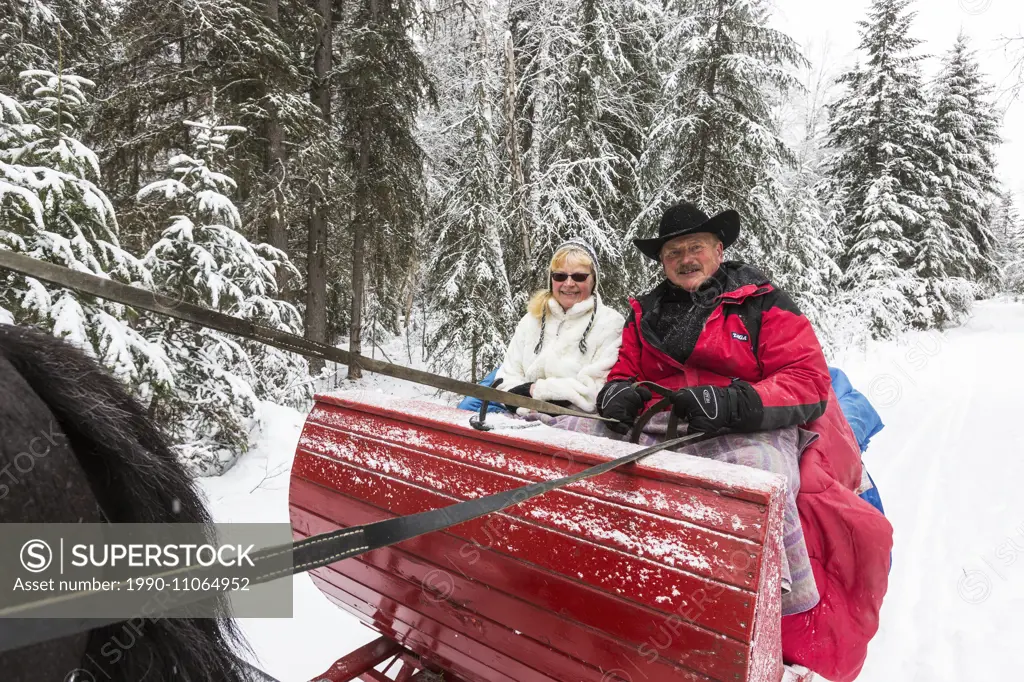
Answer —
525 390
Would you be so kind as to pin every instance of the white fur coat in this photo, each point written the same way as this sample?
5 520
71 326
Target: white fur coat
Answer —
560 371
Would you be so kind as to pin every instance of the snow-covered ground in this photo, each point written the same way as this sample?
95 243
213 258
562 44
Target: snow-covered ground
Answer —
255 490
949 465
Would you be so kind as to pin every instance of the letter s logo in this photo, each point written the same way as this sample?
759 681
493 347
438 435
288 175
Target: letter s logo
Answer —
36 556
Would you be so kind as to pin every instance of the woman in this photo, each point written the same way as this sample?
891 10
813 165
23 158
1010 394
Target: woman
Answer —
563 348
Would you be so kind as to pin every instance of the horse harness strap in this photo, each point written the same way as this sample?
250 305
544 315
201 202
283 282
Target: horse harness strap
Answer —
312 552
212 319
320 550
665 403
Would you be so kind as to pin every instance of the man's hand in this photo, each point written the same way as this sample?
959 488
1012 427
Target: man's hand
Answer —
619 400
714 409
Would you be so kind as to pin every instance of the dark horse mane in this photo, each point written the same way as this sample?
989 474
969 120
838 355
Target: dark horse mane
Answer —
105 461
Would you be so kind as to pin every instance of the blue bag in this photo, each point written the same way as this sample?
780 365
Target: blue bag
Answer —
863 419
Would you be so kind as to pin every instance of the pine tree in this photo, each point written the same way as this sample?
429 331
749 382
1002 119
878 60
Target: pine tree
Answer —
640 38
943 297
716 128
23 26
882 177
804 265
382 85
202 258
874 272
968 132
173 59
590 137
1008 231
1014 273
52 209
523 82
470 294
320 186
52 35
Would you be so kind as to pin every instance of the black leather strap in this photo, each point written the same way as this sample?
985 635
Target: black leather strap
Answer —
312 552
212 319
666 394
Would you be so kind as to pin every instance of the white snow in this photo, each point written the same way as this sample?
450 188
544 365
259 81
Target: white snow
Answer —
949 465
255 490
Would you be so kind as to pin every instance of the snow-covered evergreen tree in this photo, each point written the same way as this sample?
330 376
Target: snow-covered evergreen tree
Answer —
883 175
470 295
592 131
804 265
809 243
943 297
1008 231
878 245
968 132
522 88
172 58
202 258
52 35
643 27
383 83
1014 272
23 24
716 129
52 209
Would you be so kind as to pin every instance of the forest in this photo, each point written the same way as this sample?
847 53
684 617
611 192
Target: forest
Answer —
360 170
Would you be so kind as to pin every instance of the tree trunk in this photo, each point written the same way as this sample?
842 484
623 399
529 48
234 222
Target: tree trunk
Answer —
512 144
410 292
359 247
704 141
277 231
359 226
472 361
316 255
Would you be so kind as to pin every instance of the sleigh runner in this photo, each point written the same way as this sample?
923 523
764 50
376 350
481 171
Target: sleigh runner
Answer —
667 570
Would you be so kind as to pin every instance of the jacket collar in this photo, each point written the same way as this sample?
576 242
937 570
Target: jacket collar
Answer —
743 281
578 310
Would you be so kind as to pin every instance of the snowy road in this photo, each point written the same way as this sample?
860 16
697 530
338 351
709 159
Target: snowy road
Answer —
950 467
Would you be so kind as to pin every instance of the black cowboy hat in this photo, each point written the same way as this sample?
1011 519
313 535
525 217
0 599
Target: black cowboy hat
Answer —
685 218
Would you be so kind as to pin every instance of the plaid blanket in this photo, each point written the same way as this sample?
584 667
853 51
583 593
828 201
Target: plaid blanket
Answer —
775 451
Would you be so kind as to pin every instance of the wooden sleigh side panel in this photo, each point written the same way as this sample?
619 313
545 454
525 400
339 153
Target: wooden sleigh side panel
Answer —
642 573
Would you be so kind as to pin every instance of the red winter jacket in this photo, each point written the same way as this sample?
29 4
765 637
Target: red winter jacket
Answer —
847 539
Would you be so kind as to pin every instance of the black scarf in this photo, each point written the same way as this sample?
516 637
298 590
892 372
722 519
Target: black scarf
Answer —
678 317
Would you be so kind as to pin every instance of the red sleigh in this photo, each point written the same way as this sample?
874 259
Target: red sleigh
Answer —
667 573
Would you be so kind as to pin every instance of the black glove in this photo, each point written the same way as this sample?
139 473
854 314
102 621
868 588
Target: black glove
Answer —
521 389
713 409
619 400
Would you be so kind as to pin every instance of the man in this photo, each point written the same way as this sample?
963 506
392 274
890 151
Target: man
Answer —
741 358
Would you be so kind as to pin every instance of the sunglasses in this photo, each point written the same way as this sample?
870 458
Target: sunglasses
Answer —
576 276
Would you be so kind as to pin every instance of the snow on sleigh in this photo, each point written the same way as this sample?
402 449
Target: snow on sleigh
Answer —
668 569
